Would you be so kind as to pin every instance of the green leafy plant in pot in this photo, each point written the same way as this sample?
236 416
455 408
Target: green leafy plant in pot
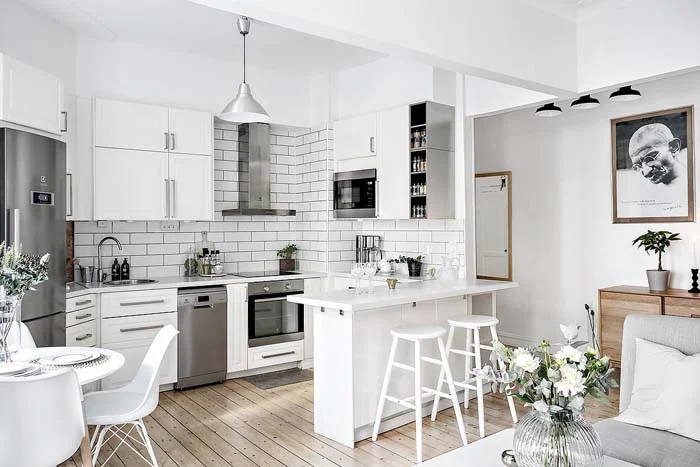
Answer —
415 265
286 256
657 243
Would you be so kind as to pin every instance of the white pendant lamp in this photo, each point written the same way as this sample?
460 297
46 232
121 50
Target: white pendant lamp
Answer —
244 108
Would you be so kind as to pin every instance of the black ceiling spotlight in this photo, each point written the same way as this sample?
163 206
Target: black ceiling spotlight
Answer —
585 102
625 93
548 110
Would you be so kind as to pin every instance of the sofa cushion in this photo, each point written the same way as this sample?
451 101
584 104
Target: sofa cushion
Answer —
646 447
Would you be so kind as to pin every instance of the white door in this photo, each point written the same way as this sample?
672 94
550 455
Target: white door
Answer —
130 185
129 125
191 187
393 167
30 96
355 137
237 335
492 227
190 131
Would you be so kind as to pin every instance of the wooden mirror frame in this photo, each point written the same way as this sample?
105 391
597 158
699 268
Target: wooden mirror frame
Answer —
509 176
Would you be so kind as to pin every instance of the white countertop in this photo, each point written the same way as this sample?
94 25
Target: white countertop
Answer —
348 300
176 282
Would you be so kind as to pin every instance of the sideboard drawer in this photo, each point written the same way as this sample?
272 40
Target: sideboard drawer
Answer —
614 308
688 307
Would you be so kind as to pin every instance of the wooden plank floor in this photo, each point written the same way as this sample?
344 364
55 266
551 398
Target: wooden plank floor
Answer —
237 424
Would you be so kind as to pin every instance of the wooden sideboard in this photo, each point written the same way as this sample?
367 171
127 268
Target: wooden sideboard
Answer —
615 303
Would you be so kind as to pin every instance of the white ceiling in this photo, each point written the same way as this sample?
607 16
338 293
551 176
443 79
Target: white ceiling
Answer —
567 9
187 27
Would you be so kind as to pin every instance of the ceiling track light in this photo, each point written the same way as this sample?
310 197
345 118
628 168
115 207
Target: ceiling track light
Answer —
244 108
585 102
548 110
624 94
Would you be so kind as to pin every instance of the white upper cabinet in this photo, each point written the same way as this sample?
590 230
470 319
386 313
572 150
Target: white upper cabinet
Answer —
191 187
355 137
393 167
188 131
131 185
129 125
29 96
78 138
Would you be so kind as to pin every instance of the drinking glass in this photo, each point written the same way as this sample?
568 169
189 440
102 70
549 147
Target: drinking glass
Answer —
370 270
357 271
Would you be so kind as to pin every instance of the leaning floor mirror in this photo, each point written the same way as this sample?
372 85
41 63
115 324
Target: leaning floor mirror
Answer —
494 256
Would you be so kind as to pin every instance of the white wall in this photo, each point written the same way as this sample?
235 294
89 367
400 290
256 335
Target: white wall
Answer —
624 41
565 246
38 40
136 72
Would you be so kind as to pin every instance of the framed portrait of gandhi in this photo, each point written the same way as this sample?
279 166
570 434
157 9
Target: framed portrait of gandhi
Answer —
652 167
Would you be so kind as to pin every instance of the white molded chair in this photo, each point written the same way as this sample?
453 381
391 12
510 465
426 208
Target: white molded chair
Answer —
42 420
112 411
20 337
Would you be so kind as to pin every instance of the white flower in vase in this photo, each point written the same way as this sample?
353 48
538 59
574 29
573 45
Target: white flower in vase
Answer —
569 353
522 358
572 381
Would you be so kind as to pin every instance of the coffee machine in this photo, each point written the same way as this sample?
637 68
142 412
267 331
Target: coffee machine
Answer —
368 248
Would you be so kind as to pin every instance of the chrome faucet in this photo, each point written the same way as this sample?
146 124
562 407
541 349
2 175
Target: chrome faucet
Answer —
101 275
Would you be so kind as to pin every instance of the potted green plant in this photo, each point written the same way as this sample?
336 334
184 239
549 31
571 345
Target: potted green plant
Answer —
415 265
286 256
656 242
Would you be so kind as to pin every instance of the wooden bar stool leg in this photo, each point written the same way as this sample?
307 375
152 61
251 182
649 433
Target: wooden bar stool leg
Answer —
453 391
467 366
385 388
436 402
501 366
479 383
419 405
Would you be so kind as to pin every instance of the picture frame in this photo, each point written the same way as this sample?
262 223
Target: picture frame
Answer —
652 167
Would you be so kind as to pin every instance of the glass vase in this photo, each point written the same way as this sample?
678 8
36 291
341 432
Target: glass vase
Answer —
9 327
563 439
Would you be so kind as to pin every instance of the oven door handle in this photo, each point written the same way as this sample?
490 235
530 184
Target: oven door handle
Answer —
274 299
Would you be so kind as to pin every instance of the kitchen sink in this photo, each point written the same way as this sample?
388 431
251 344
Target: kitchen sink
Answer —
130 282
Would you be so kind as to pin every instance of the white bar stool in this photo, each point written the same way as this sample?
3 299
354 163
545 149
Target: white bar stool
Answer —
472 324
417 334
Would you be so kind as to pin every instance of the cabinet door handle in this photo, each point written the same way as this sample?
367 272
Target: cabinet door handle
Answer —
167 198
371 144
69 181
82 338
84 302
65 122
172 141
167 140
142 328
172 198
85 316
148 302
291 352
245 300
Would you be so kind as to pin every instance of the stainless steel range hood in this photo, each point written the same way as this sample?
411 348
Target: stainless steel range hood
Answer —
254 173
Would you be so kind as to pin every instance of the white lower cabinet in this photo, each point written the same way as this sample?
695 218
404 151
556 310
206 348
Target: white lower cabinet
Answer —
275 354
237 332
130 322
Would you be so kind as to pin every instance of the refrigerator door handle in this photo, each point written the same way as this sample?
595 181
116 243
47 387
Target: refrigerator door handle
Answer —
13 225
69 182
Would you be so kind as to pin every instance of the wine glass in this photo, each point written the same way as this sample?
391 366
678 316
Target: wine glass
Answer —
357 271
370 270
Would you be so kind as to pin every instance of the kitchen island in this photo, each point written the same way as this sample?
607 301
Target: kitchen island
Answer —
351 348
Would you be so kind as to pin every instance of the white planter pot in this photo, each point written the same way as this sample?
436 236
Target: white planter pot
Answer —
658 280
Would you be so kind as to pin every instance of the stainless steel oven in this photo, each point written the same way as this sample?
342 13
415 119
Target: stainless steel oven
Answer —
355 194
271 318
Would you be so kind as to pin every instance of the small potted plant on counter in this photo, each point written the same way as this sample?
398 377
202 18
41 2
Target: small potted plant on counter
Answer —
415 265
286 256
656 242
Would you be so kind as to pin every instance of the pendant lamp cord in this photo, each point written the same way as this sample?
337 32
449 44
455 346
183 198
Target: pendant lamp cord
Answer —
243 57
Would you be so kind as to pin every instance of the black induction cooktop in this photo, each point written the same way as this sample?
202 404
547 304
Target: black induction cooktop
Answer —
265 273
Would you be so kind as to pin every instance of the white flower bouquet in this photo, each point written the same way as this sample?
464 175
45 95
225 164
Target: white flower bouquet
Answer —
547 381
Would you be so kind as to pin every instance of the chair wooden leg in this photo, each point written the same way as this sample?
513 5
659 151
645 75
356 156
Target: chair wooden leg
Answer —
453 391
479 382
85 453
385 388
438 387
467 366
418 403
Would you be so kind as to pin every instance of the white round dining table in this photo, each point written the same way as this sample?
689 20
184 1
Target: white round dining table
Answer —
86 374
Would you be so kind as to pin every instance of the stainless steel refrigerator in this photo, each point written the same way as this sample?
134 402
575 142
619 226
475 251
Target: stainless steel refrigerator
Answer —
32 204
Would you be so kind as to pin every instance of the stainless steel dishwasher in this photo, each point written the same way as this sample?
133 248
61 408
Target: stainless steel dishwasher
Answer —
201 316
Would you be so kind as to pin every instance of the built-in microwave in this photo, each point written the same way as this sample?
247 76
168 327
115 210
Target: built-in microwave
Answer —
355 194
